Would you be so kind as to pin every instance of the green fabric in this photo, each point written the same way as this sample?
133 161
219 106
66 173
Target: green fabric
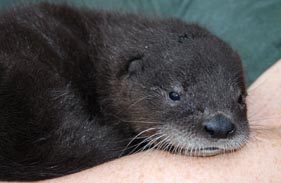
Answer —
252 27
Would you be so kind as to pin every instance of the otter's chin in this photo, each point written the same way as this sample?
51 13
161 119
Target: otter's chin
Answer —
209 151
204 152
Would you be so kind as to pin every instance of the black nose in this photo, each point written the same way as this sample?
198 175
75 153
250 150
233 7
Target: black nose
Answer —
219 127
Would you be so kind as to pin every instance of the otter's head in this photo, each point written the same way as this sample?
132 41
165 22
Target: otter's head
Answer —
183 91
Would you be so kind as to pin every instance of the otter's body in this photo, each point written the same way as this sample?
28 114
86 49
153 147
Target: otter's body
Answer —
77 86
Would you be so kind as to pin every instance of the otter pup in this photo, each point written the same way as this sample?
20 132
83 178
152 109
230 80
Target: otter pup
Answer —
81 87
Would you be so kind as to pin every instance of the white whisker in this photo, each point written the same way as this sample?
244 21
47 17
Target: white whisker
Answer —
142 132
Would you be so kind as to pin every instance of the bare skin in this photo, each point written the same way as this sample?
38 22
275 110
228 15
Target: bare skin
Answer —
258 162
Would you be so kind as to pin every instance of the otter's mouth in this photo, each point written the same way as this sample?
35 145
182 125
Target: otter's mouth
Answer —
188 150
207 151
204 152
198 151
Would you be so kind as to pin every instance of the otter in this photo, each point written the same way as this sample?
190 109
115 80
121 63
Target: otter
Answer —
81 87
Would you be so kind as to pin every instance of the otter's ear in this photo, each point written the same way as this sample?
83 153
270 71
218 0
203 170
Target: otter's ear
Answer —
135 65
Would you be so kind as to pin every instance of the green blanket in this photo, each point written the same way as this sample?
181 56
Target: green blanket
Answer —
252 27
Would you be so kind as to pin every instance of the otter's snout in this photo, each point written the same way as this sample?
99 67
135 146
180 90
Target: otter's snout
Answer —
219 126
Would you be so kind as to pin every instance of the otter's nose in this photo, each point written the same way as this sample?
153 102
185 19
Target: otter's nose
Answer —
219 127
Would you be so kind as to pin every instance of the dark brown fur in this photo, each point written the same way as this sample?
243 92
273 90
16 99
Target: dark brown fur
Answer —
78 85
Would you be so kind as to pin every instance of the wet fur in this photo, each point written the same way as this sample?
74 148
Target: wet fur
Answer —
70 97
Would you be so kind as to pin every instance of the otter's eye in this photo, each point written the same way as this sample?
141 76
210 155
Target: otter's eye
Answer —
174 96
